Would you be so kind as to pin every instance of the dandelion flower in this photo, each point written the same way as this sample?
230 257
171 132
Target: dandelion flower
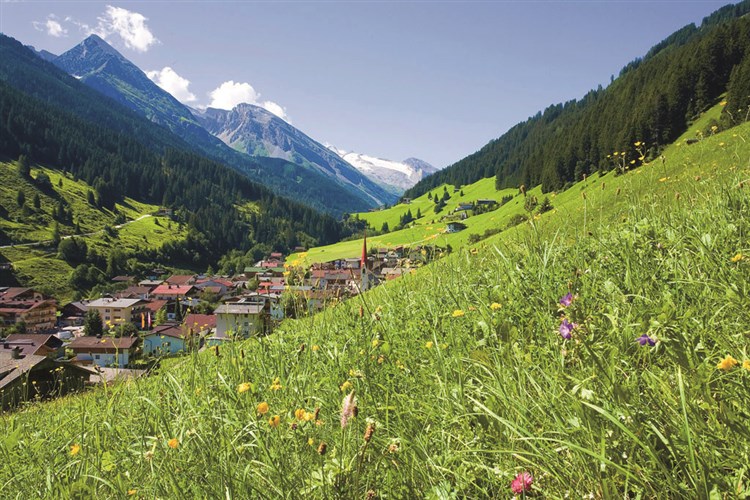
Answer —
495 306
375 342
274 421
429 345
347 408
315 348
345 386
262 408
299 414
457 313
522 483
727 363
276 384
173 443
310 442
746 364
75 449
738 257
243 387
132 492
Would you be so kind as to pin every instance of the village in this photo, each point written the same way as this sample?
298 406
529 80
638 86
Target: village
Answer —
50 349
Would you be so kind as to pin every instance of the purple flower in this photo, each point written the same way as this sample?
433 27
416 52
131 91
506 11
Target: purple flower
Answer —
645 339
567 300
566 329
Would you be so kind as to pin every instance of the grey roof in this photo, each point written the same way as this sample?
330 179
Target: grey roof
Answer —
239 309
118 303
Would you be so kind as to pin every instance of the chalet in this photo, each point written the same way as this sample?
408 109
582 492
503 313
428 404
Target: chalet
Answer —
123 279
113 311
36 344
351 263
24 305
135 292
105 351
174 292
200 323
152 309
464 206
275 310
150 283
73 313
243 320
180 280
27 377
170 339
454 227
219 287
486 201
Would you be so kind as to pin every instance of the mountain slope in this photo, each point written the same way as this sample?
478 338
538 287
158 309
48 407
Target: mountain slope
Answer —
651 103
394 176
259 133
103 68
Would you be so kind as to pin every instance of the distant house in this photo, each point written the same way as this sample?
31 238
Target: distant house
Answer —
243 320
200 323
464 206
180 280
123 279
24 305
150 283
114 311
486 201
36 344
170 339
27 377
135 292
174 292
275 310
454 227
105 351
72 314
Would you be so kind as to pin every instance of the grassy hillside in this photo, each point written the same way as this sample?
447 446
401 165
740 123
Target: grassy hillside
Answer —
461 376
31 229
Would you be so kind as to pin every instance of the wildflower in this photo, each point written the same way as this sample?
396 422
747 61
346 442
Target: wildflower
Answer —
566 329
457 313
394 446
274 421
375 342
262 408
663 179
727 363
721 144
645 339
132 492
322 448
738 257
723 103
472 308
347 409
369 431
243 387
299 414
345 386
429 345
381 358
746 364
310 442
173 443
522 483
495 306
637 143
75 449
276 384
474 251
308 416
370 495
566 300
315 348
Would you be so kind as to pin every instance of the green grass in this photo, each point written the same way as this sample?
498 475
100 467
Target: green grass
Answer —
462 369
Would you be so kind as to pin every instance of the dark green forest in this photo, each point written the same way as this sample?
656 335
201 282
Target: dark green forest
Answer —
652 102
134 158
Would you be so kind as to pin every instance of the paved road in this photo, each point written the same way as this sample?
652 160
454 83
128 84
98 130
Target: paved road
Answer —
42 243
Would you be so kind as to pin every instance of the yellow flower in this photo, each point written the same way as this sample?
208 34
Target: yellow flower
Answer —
738 257
714 128
727 363
243 387
276 385
638 143
308 416
299 414
632 162
315 348
474 251
746 364
345 386
429 345
262 408
495 306
310 441
457 313
274 421
663 179
75 449
723 103
173 443
375 342
132 492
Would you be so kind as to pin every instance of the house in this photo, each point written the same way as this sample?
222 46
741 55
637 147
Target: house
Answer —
152 308
151 283
34 343
200 323
170 339
174 292
25 377
73 313
454 227
351 263
486 201
113 311
464 206
135 292
24 305
105 351
275 309
180 280
123 279
242 320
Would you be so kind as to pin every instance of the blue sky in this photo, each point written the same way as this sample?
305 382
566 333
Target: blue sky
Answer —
436 80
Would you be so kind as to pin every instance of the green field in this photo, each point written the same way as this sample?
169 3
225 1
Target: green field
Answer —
461 375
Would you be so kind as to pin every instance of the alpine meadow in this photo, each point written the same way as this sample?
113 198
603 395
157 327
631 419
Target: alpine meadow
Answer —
564 313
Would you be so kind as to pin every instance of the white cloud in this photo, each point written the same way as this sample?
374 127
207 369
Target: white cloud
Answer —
229 94
128 25
51 26
173 83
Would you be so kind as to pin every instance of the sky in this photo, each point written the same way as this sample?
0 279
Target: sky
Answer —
435 80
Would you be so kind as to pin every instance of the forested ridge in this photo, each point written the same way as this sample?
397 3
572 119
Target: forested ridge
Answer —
652 102
134 158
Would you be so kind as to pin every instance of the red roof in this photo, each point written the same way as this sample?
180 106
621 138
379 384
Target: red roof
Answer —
172 290
155 305
180 279
200 321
